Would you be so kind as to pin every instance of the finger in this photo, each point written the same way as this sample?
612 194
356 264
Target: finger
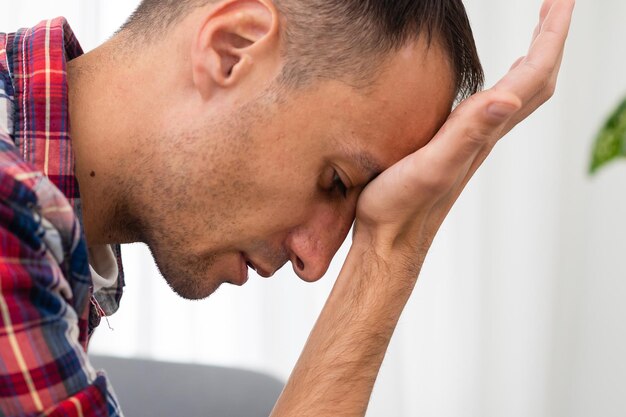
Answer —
554 19
441 170
543 58
533 103
554 26
545 9
471 131
537 100
543 61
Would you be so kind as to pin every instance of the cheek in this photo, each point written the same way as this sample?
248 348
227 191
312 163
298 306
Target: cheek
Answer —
277 211
283 193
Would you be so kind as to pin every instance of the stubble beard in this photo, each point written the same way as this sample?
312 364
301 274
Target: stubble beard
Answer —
169 196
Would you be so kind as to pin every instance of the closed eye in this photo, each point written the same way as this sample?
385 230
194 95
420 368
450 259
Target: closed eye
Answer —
338 185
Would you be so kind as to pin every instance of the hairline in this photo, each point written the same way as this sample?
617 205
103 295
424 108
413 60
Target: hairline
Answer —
361 81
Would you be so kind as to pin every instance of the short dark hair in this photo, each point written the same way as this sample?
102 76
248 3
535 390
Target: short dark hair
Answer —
332 38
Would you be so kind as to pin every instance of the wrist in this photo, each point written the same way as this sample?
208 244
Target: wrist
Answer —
394 252
378 265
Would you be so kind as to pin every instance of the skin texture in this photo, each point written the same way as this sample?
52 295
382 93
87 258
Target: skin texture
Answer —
263 161
398 216
226 163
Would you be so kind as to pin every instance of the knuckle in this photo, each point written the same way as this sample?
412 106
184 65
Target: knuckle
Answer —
542 71
477 137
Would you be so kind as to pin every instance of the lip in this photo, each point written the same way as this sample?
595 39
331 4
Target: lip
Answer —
259 270
243 276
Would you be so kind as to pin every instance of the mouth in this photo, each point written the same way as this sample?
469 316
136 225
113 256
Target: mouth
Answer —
256 268
243 273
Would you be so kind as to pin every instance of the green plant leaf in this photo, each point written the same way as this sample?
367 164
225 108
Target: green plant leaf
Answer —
611 141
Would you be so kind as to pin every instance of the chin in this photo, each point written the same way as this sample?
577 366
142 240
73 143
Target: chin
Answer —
195 277
191 279
193 292
192 286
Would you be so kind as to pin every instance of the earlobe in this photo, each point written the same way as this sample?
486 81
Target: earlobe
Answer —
232 36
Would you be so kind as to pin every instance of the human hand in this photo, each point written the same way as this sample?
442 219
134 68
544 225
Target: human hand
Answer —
400 212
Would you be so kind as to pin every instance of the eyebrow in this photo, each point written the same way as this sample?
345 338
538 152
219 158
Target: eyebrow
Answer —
367 164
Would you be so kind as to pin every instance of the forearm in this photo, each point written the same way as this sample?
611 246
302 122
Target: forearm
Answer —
407 203
339 364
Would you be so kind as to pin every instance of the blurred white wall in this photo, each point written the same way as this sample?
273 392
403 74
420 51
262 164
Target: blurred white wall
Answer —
520 308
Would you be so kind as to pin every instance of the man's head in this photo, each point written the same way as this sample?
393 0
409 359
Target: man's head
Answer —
342 39
266 119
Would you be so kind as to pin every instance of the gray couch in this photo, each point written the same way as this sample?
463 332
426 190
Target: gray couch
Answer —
151 388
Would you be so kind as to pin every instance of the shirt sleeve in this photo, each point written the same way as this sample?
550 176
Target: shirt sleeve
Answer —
44 369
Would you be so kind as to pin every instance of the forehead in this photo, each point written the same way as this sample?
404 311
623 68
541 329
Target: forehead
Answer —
406 104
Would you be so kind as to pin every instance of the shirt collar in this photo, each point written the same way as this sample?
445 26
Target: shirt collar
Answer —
39 57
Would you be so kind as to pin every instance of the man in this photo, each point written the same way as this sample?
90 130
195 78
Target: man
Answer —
236 134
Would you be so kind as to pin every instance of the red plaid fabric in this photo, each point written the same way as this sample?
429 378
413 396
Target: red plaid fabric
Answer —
47 311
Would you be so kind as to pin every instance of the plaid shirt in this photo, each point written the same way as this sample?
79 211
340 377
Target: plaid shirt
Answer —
47 310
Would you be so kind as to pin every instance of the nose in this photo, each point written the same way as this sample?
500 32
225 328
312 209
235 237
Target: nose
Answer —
314 244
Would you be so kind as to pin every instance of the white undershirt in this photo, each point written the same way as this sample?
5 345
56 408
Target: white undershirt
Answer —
103 266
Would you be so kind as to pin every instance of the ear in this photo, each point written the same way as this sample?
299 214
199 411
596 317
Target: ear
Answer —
232 37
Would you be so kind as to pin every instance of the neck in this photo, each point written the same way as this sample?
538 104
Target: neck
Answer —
101 115
120 99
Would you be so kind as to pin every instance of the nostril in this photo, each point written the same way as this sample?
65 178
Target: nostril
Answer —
299 264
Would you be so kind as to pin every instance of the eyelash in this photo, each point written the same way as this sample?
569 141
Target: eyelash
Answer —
339 186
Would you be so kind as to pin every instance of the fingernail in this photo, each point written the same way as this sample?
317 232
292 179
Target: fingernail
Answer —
501 110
